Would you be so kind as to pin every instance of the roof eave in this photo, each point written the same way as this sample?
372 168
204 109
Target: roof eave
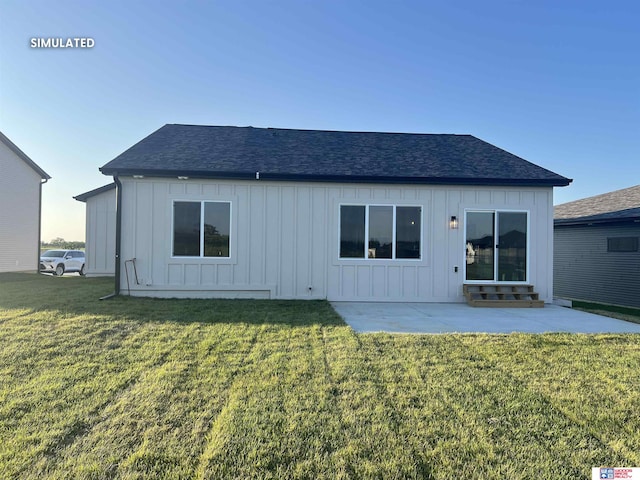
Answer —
547 182
569 222
83 197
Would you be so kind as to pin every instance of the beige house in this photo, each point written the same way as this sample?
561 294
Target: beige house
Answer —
20 209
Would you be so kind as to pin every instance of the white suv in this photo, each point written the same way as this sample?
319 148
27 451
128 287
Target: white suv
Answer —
60 261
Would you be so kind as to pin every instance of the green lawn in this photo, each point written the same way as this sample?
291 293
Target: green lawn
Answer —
141 388
629 314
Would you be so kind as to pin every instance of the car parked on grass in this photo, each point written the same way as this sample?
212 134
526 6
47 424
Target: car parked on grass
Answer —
59 262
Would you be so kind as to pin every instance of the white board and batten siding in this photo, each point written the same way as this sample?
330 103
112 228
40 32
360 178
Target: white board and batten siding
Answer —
100 235
285 240
19 213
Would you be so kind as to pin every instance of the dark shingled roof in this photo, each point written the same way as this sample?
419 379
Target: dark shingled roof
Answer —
618 206
83 197
313 155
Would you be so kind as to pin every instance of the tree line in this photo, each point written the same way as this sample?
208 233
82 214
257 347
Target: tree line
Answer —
63 244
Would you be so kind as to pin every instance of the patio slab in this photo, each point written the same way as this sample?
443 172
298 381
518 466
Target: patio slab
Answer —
368 317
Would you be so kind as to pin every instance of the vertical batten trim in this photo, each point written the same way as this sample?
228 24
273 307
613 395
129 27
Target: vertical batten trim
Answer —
328 230
295 240
310 195
264 235
248 237
279 222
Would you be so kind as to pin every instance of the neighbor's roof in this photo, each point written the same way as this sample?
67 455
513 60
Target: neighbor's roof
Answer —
333 156
617 206
23 156
92 193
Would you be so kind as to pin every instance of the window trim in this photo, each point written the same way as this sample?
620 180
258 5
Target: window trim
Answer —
201 257
393 259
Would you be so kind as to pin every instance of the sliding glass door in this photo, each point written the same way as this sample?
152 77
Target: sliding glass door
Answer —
496 246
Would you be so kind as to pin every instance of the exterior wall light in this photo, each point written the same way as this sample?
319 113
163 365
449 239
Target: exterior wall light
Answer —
453 223
183 178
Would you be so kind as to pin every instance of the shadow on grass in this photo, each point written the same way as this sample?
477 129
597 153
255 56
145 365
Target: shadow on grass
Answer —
81 296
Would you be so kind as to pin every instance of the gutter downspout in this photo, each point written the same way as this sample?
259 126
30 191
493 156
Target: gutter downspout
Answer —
116 291
118 230
42 182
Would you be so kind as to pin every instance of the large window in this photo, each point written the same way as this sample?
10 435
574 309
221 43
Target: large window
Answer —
380 232
201 229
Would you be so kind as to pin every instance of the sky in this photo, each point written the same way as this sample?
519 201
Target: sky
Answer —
557 83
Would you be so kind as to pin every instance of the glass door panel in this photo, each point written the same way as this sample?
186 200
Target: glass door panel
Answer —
480 256
512 246
504 260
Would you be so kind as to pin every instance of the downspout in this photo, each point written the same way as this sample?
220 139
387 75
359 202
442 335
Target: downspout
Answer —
118 230
118 242
42 182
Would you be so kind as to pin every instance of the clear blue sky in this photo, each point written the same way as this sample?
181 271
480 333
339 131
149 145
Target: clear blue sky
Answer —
557 83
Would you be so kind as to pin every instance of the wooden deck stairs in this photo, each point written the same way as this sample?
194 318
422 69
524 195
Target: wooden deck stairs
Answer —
508 296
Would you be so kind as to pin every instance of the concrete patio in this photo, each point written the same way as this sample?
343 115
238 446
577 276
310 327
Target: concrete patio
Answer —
461 318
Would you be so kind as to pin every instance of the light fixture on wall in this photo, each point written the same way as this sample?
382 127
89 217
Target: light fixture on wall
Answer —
453 223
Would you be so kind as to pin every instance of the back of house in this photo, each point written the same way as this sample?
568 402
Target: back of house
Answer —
207 211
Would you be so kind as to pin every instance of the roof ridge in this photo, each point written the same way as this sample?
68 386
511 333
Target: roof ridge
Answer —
317 130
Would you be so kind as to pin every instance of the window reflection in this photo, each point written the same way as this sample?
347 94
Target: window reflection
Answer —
408 232
186 229
352 231
380 231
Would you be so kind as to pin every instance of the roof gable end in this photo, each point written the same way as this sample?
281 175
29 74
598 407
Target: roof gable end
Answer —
23 156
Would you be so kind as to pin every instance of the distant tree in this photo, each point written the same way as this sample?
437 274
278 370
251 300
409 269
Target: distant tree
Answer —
210 229
58 242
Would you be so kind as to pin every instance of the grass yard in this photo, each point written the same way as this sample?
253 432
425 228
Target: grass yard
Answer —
142 388
629 314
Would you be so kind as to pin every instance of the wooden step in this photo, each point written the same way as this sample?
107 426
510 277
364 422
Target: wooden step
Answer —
501 295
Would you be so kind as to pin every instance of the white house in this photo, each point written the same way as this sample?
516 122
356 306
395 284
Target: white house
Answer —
298 214
100 233
20 209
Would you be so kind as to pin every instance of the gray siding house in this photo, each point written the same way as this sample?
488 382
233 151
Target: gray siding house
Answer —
596 248
207 211
20 209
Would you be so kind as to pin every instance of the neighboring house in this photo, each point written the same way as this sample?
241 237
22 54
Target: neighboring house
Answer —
597 250
100 249
20 209
208 211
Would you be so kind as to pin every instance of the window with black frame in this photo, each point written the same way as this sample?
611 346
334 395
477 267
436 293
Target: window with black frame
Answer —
201 229
380 232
